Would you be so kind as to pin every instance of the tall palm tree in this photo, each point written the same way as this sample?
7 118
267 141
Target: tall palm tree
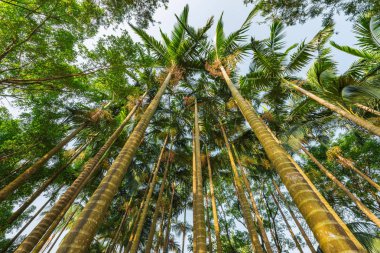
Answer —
320 216
178 53
66 199
168 224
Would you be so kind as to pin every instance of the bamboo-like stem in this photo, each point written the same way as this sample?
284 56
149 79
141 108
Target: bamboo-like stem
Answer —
168 225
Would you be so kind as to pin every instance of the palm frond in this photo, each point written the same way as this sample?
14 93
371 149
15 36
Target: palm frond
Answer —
353 51
362 28
277 35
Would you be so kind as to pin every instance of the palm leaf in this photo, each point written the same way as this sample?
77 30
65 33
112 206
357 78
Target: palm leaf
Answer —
353 51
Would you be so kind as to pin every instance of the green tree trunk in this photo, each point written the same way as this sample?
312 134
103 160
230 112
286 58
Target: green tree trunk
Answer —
357 201
246 210
145 209
321 218
214 209
89 169
307 240
200 218
152 229
357 120
17 182
195 210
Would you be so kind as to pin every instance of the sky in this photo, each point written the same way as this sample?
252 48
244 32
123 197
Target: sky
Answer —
235 12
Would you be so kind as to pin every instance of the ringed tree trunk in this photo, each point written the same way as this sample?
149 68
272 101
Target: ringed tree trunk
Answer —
214 209
358 203
144 211
307 240
287 224
168 226
17 182
152 230
319 215
195 210
254 205
368 109
89 169
357 120
246 210
210 246
44 185
80 236
200 214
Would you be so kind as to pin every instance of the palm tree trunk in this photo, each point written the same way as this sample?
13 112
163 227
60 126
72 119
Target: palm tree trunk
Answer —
232 248
358 203
44 185
254 205
168 226
161 231
89 169
368 109
134 228
200 219
349 164
80 236
214 209
242 198
17 182
321 218
195 231
357 120
287 224
272 222
184 232
307 240
144 212
152 229
29 222
210 247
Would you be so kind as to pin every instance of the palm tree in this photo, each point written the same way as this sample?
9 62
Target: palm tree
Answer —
177 54
69 196
321 217
168 225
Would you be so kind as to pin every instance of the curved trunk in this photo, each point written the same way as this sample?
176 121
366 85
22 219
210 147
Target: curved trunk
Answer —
246 210
168 226
200 215
307 240
152 230
287 224
358 203
254 205
89 169
144 211
214 209
349 164
80 236
357 120
368 109
17 182
320 216
44 185
28 223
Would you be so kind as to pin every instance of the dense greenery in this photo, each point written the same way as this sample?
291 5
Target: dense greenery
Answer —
111 145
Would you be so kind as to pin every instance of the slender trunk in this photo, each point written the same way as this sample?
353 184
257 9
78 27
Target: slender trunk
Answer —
358 203
200 219
80 236
184 232
152 229
287 224
368 109
357 120
320 216
242 198
195 210
227 230
160 232
307 240
145 209
5 180
28 223
134 228
168 226
89 169
210 247
21 179
214 209
44 185
254 205
272 220
349 164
